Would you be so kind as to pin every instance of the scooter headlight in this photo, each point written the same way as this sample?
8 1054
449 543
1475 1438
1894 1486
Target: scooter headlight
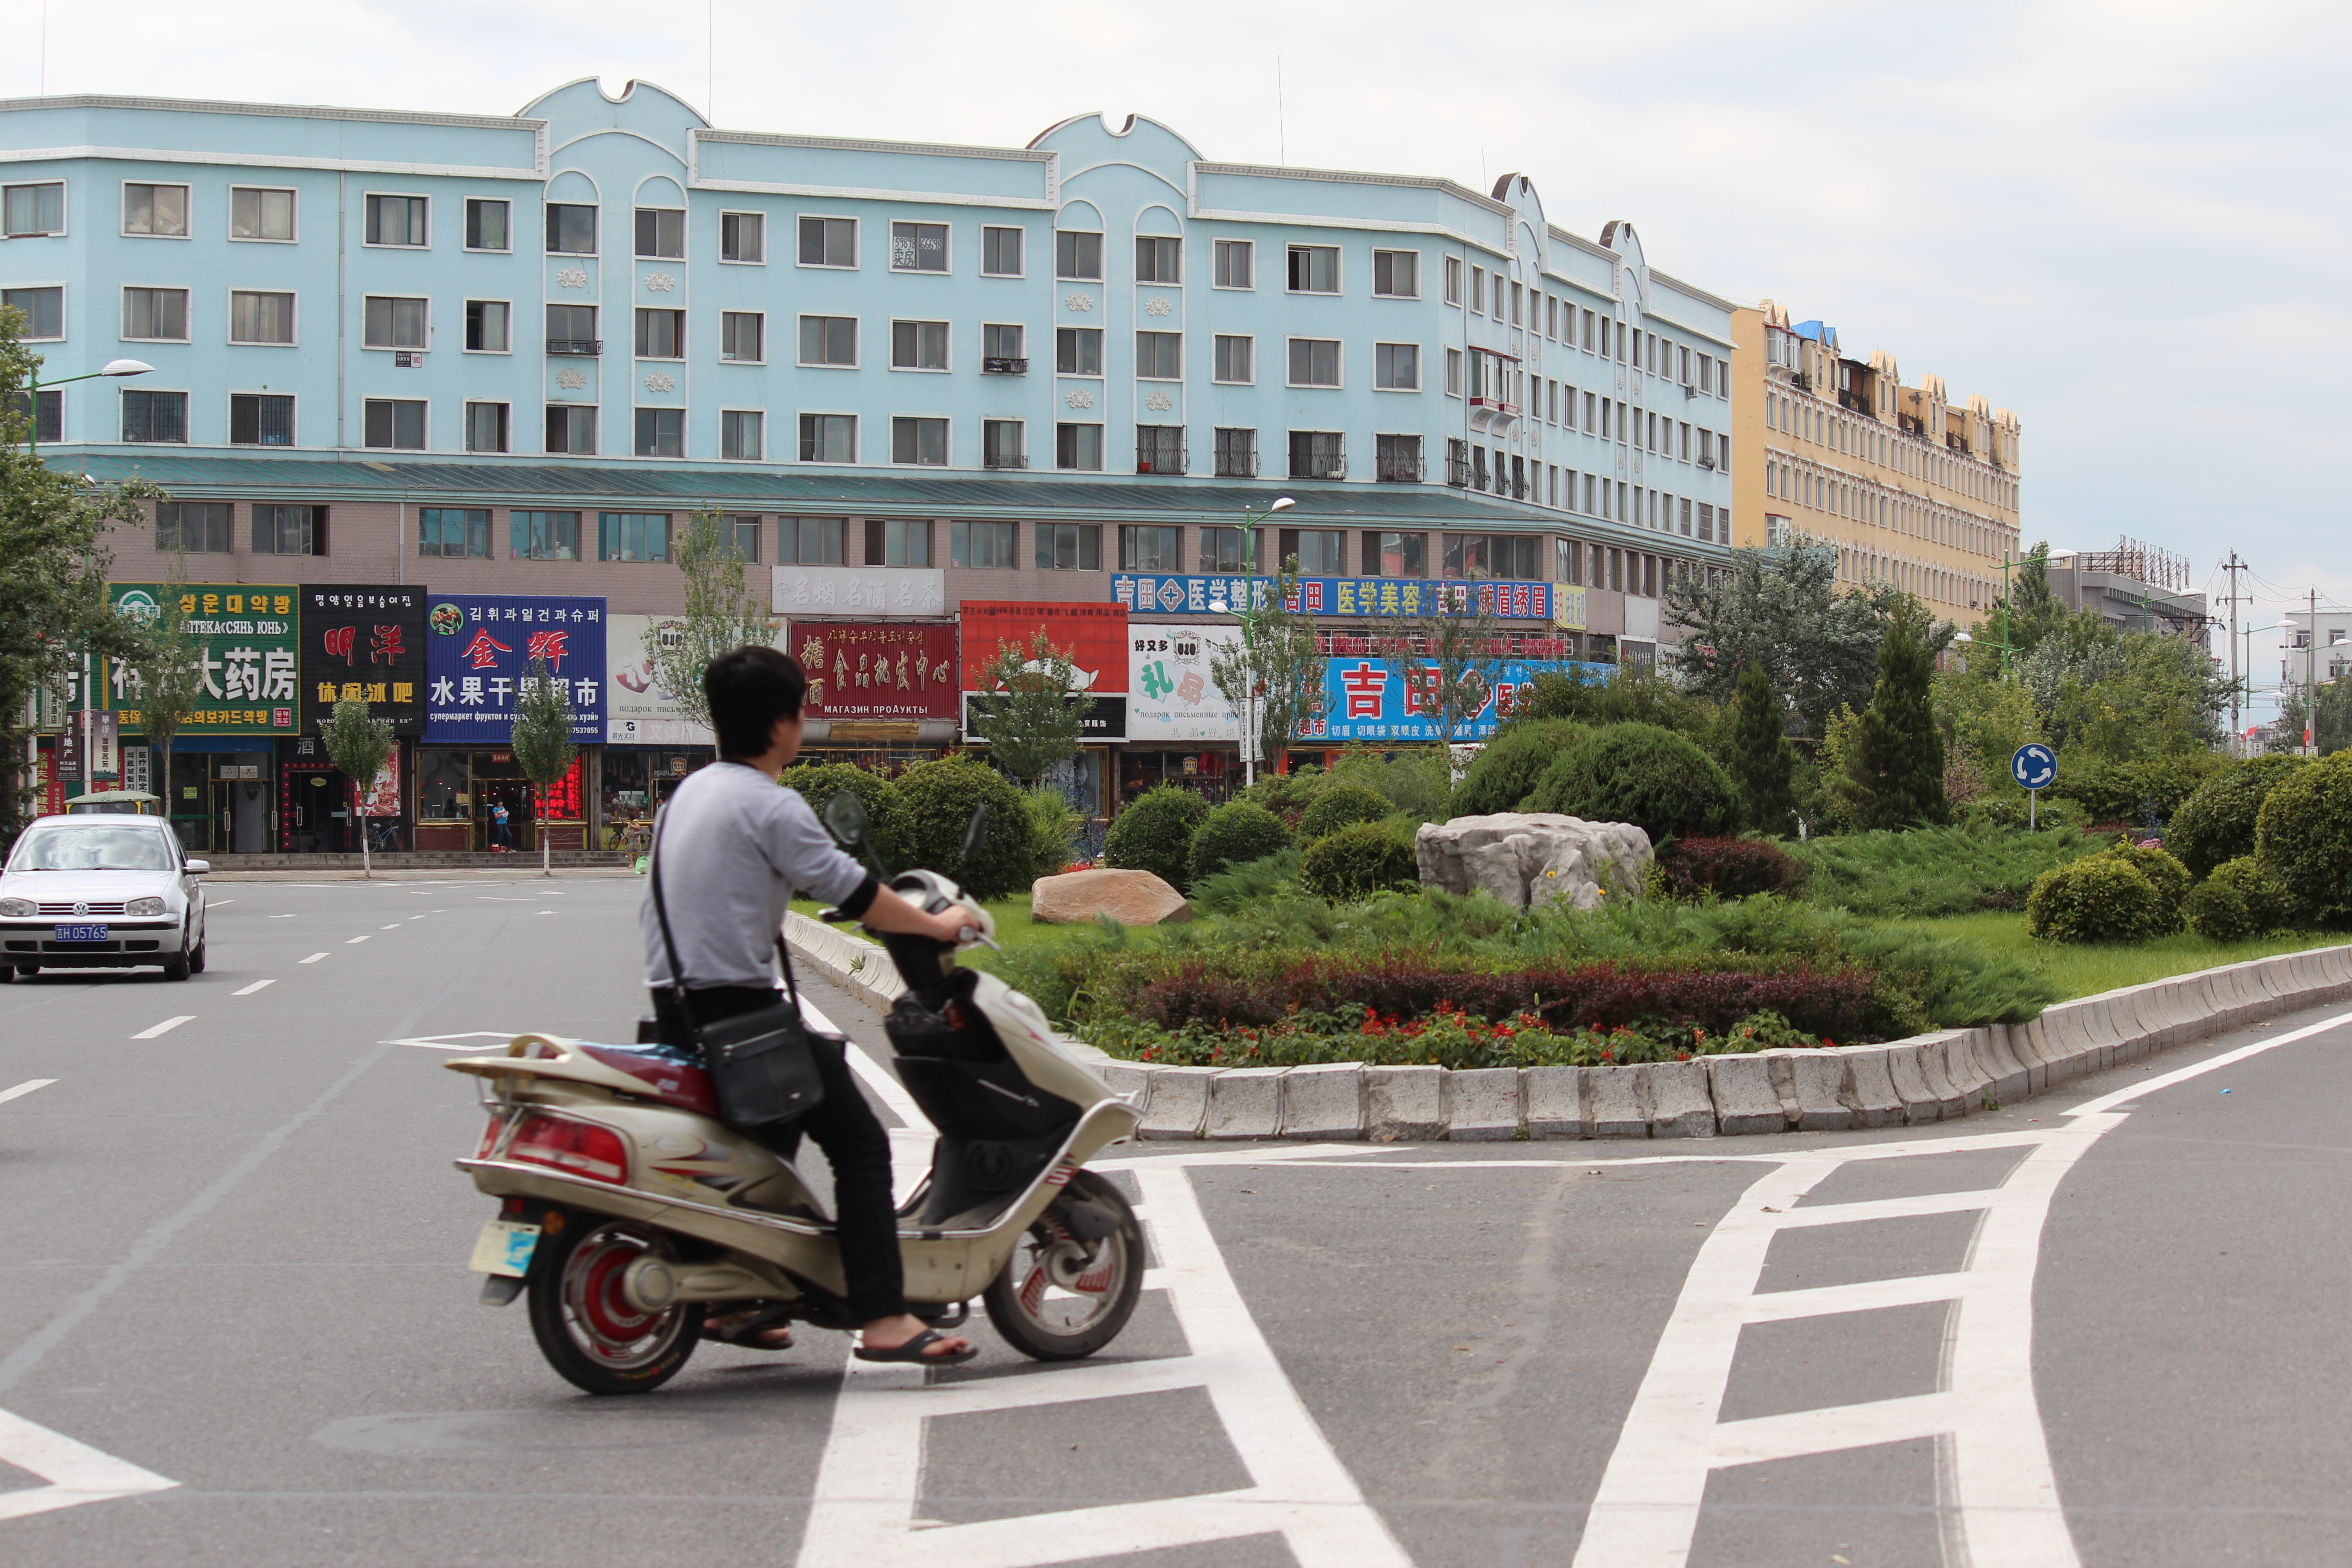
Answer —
143 907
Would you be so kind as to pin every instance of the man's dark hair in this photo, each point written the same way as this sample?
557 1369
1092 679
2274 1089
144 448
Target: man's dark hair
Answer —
749 690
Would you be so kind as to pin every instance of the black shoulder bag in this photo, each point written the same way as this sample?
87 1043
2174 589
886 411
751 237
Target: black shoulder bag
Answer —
763 1064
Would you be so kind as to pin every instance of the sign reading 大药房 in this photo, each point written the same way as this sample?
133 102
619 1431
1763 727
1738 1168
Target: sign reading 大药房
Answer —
244 642
479 649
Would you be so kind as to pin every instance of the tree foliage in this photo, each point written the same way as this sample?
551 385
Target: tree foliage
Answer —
2332 732
359 744
1894 770
1628 694
542 739
1780 610
1276 658
166 673
1029 707
721 615
1757 754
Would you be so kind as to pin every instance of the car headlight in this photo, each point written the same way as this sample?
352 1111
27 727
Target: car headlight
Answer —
141 906
18 908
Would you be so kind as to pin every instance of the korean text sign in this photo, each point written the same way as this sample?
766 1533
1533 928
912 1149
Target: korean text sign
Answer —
1365 699
244 637
478 650
868 670
364 641
1147 595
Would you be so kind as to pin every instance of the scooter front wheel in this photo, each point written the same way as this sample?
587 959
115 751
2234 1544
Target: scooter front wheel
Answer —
586 1327
1061 1298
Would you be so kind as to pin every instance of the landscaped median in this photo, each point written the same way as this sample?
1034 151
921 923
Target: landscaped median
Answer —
1921 1078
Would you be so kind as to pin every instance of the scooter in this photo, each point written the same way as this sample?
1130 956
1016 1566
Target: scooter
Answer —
628 1211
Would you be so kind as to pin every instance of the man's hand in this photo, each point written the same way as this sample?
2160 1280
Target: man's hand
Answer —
889 912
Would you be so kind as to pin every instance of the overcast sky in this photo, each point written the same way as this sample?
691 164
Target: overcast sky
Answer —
2128 222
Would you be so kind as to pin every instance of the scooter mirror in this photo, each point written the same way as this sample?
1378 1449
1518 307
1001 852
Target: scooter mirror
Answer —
846 814
977 834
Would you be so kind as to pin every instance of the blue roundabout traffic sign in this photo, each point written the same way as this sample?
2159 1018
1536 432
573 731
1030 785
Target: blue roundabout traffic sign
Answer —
2035 767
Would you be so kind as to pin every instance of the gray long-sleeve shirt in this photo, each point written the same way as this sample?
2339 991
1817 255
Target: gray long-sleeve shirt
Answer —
733 848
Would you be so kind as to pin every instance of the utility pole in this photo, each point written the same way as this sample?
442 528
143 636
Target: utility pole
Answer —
2232 568
2311 678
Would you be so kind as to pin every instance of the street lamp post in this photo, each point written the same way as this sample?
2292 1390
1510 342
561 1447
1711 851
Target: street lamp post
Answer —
115 368
2247 637
1249 641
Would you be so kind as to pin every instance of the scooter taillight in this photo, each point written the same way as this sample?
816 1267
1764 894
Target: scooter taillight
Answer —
490 1137
580 1147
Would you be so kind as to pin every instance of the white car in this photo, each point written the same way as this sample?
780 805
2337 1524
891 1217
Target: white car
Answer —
102 892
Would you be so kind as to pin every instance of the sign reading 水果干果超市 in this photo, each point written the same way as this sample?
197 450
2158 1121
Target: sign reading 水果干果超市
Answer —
244 636
479 648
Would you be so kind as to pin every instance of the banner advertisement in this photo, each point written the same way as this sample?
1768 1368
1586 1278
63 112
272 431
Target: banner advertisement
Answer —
366 642
639 710
1364 698
245 638
1094 634
479 651
105 749
1171 695
1155 595
859 591
384 799
859 671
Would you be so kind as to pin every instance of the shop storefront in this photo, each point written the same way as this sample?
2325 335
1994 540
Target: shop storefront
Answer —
632 784
1181 728
470 792
1095 636
360 642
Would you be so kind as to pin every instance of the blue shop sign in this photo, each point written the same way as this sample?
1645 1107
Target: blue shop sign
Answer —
1147 594
479 651
1365 698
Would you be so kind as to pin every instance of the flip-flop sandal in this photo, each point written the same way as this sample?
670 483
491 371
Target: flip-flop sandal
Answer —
912 1351
746 1333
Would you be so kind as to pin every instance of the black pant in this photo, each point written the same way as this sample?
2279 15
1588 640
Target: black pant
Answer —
864 1224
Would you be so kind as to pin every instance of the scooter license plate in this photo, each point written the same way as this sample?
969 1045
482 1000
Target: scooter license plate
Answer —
504 1247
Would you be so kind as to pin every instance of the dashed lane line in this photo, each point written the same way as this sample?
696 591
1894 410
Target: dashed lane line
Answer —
256 985
394 927
314 958
362 937
165 1028
24 1089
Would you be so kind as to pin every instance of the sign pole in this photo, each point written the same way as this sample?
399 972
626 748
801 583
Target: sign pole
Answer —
2033 811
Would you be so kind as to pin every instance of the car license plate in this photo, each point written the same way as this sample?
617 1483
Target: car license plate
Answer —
81 934
504 1247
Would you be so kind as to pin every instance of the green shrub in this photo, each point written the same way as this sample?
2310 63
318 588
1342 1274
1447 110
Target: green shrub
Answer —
2100 898
2304 834
2241 899
1288 795
2014 811
1501 775
886 822
2216 822
1234 833
1340 805
1652 778
941 796
2166 874
1054 828
1155 832
1930 871
1357 861
1417 781
2123 792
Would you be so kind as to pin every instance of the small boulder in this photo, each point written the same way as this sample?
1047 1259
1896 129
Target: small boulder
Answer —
1130 898
1527 858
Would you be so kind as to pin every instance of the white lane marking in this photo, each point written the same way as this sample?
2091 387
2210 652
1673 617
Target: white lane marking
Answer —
165 1028
391 928
2213 1064
77 1473
256 985
463 1042
24 1089
362 937
869 1480
314 958
286 917
217 903
910 1145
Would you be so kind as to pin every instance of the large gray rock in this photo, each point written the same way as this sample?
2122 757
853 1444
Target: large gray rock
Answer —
1532 858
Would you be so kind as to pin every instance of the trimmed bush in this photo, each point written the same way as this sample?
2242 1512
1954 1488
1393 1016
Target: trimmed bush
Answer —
1728 868
2119 791
2241 899
1236 833
1054 828
2217 824
1288 795
2166 874
2304 834
2100 898
886 822
1357 861
1652 778
1155 832
1501 775
941 796
1341 805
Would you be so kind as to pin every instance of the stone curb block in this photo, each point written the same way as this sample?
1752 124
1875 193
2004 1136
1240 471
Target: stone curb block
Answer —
1245 1102
1935 1067
1485 1107
1618 1111
1868 1089
1920 1105
1678 1101
2005 1067
1964 1064
1326 1101
1179 1103
1131 1082
1405 1104
1817 1089
1745 1100
1556 1104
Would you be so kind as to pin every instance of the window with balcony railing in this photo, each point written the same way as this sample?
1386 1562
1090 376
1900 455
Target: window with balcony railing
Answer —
1397 459
1159 449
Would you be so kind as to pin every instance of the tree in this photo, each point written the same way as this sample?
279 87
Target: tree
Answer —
1276 657
2332 732
1757 753
357 744
1780 610
1630 694
1029 707
1448 657
2029 611
167 672
1894 772
721 615
542 740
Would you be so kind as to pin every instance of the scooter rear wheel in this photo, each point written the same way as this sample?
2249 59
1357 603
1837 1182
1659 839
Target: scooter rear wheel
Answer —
1061 1298
585 1326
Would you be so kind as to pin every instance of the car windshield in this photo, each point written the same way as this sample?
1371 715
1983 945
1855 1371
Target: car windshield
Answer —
95 847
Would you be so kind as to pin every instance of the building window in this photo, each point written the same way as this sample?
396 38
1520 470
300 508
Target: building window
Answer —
1005 349
1314 362
1004 444
1477 290
828 242
1396 555
1396 274
902 543
1318 454
811 541
661 334
920 441
918 248
195 527
1160 356
661 233
260 213
1315 270
260 419
396 422
1077 256
1453 280
1568 560
1151 549
161 210
571 429
26 211
1158 260
982 546
457 530
1236 453
829 340
1397 459
571 330
392 323
571 229
743 237
486 428
542 535
634 536
44 310
395 220
828 438
155 314
919 345
1453 373
291 529
1077 351
490 326
742 433
1221 551
1322 551
1078 446
488 225
661 433
257 318
1236 263
740 533
1159 449
1236 360
48 422
1069 547
1457 463
1001 252
1396 367
154 416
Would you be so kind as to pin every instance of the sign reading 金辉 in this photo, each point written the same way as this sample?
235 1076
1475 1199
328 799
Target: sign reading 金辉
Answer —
1365 699
478 650
363 640
244 637
1149 595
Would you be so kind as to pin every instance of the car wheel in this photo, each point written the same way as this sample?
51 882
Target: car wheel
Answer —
196 959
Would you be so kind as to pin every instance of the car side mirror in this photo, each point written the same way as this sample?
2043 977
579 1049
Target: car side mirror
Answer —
197 868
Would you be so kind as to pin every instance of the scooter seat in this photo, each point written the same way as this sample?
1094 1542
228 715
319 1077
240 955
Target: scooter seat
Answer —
668 1075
